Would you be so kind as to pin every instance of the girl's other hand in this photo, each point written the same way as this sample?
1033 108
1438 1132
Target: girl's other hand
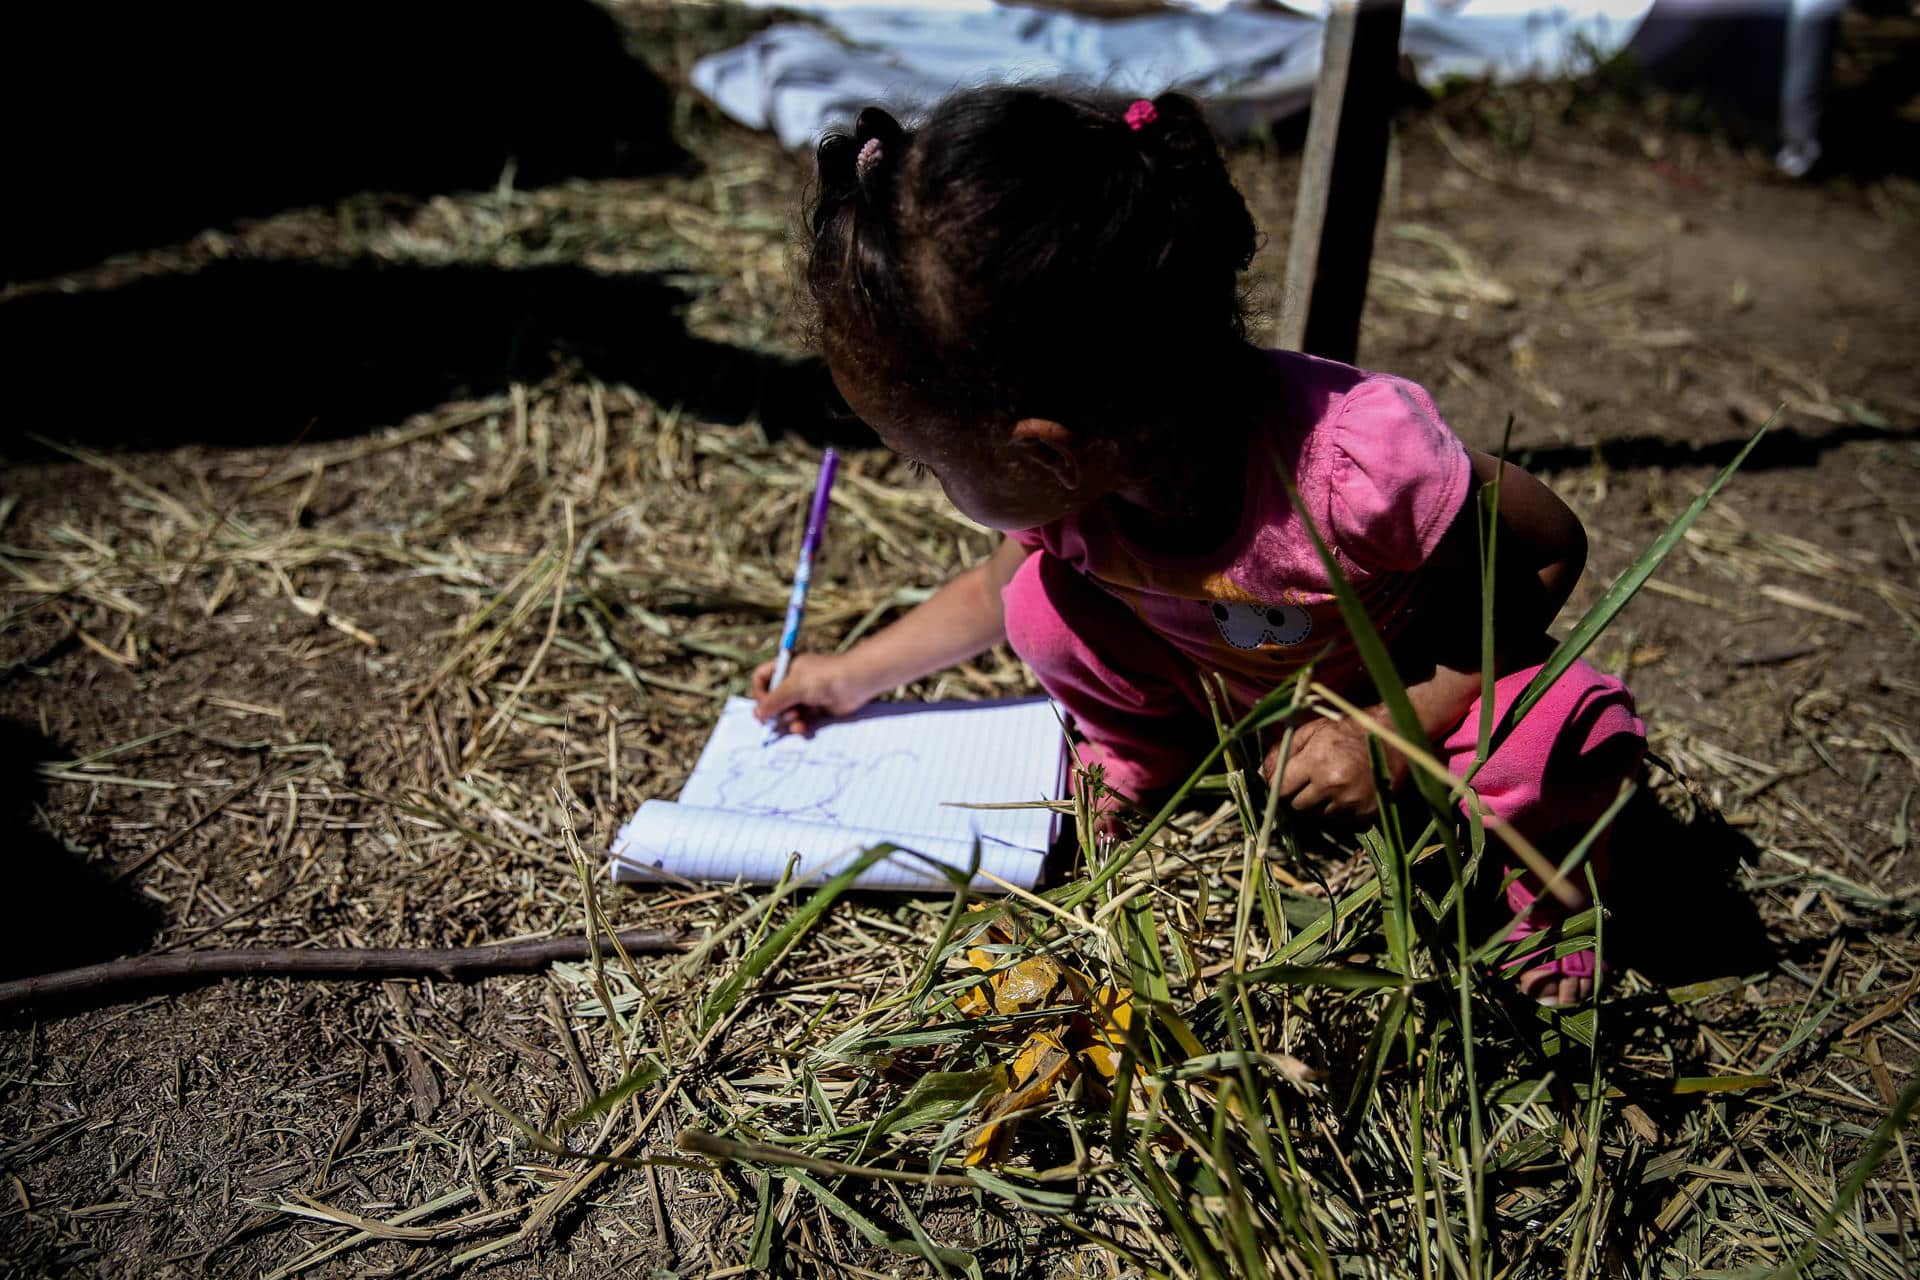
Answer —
1328 772
817 686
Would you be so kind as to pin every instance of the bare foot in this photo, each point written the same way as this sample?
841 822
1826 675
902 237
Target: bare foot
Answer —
1554 989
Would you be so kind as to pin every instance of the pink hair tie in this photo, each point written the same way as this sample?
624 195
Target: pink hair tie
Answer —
1141 114
869 156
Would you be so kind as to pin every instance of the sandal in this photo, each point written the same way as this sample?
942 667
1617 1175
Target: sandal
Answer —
1581 967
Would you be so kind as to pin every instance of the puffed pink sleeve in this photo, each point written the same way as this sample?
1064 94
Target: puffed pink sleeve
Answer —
1399 476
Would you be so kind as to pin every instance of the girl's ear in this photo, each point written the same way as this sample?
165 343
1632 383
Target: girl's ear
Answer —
1053 446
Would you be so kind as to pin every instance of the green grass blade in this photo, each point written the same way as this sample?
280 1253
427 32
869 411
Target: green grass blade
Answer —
928 1250
1586 1241
1863 1168
1333 977
1371 648
1386 845
1576 857
1325 926
728 993
760 1245
1489 527
1563 937
939 1096
876 1232
1262 713
1199 1252
1625 587
1233 1223
1145 960
962 895
633 1082
1366 1083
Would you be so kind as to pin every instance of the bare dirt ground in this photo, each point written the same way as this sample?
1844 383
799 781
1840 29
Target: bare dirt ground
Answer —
374 683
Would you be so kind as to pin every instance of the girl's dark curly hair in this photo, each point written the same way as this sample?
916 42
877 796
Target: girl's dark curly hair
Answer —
1030 252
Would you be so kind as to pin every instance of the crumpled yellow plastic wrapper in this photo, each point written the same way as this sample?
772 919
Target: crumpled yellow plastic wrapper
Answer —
1086 1043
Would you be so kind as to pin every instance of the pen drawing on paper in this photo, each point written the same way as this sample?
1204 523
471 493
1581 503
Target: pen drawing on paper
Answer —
797 783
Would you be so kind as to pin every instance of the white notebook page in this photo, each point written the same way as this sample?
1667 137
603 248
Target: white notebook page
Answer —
892 772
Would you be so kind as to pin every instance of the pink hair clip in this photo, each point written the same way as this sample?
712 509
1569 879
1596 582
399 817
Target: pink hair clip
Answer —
1141 114
869 156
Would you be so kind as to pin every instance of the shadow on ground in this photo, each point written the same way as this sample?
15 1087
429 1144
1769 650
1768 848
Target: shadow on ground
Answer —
63 912
266 352
144 124
1781 447
137 124
1678 912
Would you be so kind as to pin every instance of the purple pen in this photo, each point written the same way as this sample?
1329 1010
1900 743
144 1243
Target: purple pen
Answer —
803 572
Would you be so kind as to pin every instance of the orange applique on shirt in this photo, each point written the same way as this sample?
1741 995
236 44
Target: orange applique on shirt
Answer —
1256 642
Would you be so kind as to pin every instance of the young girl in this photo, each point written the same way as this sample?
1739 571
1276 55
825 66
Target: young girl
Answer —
1035 297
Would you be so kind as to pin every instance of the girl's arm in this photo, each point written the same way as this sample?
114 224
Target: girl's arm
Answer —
1539 554
960 620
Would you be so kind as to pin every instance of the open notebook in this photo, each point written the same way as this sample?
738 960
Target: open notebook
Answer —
892 772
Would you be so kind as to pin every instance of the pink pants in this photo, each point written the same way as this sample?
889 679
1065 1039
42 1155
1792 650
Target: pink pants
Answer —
1139 702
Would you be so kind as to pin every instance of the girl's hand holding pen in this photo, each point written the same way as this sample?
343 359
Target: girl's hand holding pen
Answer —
817 686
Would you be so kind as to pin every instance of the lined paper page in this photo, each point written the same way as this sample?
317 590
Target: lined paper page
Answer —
667 841
892 772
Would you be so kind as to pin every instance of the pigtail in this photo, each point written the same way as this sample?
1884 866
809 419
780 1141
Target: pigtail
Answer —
1180 148
880 145
859 165
853 274
837 180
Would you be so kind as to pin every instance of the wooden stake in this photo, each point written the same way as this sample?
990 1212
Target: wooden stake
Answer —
1340 179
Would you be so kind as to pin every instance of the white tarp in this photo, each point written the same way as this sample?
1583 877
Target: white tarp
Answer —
1250 60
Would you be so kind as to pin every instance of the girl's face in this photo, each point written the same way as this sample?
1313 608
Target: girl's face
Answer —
997 475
